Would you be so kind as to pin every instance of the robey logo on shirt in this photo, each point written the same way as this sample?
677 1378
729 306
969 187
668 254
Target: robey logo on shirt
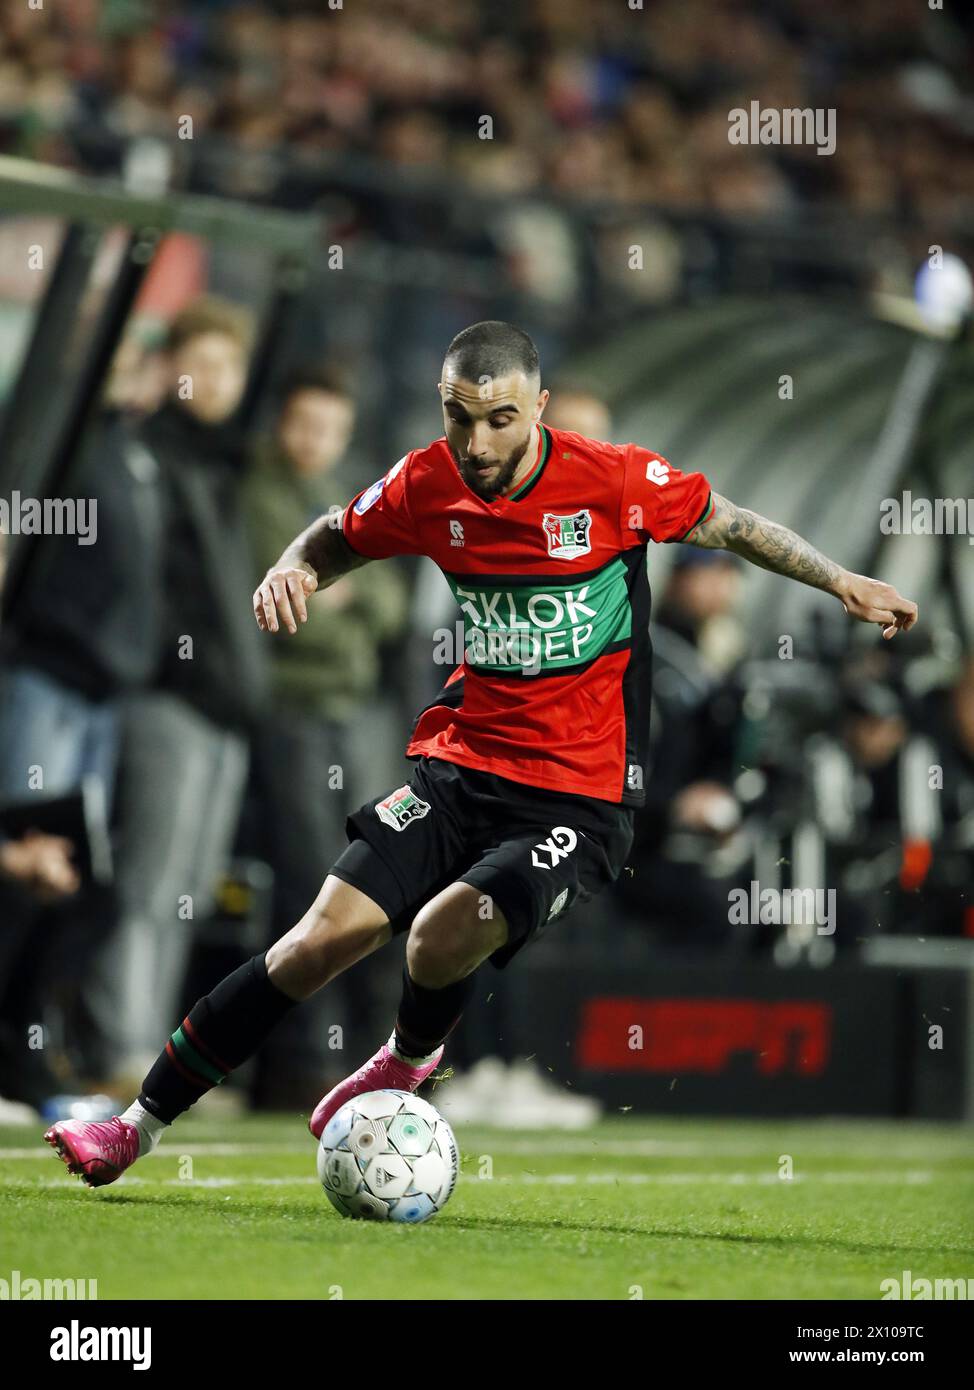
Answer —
658 472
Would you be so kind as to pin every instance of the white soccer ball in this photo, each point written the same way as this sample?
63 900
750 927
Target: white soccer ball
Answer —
388 1156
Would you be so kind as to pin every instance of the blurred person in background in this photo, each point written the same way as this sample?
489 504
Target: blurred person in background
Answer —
690 809
185 738
874 803
320 683
957 741
894 796
34 867
80 635
84 629
953 728
573 407
696 618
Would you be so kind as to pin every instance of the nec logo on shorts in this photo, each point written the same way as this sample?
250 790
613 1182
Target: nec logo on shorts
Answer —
557 847
401 807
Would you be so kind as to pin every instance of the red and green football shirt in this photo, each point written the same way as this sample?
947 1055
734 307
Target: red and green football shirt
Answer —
551 582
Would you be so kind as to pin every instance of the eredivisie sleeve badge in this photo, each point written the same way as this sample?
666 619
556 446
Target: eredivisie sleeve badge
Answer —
401 807
568 536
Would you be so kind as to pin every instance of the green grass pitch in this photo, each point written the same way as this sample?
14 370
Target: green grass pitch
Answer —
636 1207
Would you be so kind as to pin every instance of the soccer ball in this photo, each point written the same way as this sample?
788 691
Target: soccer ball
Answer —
388 1156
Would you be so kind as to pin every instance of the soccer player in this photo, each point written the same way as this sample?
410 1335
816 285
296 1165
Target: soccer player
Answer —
529 762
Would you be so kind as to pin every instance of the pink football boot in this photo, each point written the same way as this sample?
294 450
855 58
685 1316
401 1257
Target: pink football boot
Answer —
383 1072
99 1152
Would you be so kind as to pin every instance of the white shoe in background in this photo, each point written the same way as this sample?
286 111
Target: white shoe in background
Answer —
515 1097
15 1112
550 1104
476 1097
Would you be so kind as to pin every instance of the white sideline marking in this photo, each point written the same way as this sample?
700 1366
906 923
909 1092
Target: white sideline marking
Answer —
538 1179
500 1143
172 1149
552 1142
732 1179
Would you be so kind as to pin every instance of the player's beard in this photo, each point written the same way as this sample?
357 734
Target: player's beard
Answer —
489 490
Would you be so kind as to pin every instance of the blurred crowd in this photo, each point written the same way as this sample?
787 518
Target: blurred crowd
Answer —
603 103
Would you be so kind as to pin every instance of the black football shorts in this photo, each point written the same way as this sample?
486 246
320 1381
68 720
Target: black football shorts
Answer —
535 854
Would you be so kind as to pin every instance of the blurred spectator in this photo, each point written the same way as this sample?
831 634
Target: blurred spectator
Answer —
83 632
185 739
954 726
85 627
322 678
576 408
855 773
690 811
875 807
697 609
959 740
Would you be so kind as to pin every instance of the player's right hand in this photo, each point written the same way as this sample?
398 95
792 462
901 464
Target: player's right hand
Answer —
872 601
283 593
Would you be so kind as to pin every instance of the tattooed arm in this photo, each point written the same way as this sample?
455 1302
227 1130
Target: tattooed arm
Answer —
313 560
775 548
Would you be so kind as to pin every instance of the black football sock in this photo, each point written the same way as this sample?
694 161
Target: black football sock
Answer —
427 1016
220 1032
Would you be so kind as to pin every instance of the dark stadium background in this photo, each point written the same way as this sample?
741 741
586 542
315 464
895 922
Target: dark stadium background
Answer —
748 311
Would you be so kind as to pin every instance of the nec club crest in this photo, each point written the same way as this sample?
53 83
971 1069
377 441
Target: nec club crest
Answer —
568 536
401 807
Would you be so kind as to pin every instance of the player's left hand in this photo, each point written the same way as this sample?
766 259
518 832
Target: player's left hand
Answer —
871 601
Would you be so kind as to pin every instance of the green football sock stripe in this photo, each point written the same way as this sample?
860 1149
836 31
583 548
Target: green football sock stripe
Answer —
194 1060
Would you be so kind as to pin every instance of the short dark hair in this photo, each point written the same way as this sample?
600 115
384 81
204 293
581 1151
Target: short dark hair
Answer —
492 348
210 314
326 377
